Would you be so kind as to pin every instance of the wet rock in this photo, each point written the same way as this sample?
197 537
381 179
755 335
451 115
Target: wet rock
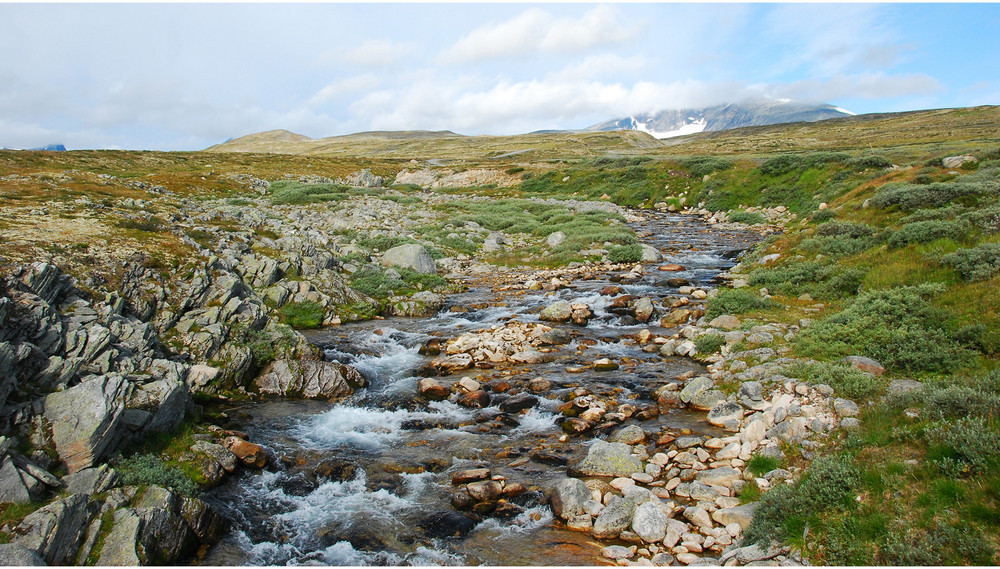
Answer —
617 552
559 311
309 379
724 412
555 337
485 490
604 364
644 309
452 363
447 524
470 475
432 389
706 400
630 435
531 357
676 318
694 387
249 453
576 426
474 399
568 498
539 385
607 459
518 403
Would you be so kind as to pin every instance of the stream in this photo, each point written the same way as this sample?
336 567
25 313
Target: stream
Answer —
367 480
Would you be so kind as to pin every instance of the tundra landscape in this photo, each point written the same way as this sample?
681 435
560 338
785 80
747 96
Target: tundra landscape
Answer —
764 345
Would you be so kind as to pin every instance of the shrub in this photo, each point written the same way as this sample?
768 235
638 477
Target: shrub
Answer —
815 277
837 246
709 343
383 242
297 193
941 544
986 219
740 216
823 215
302 315
149 469
151 225
827 485
845 229
897 327
913 196
846 381
736 301
761 464
873 162
700 166
928 231
979 263
625 253
785 163
968 446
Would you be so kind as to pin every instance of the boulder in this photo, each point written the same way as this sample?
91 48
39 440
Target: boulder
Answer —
91 480
694 387
952 162
630 435
649 522
56 531
87 420
470 475
432 389
614 518
706 400
722 476
308 379
644 309
531 356
608 459
725 322
555 239
559 311
845 408
741 515
650 254
568 498
519 403
410 256
17 555
724 412
555 337
250 454
698 516
865 364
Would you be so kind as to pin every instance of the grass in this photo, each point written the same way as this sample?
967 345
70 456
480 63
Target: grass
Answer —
302 315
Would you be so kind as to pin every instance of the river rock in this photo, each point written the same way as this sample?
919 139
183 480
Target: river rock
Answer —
249 453
608 459
617 552
531 356
432 389
308 379
518 403
644 309
87 420
726 322
614 518
555 337
410 256
741 515
477 399
485 490
559 311
649 522
650 254
568 498
694 387
630 435
706 400
724 412
697 516
722 476
452 363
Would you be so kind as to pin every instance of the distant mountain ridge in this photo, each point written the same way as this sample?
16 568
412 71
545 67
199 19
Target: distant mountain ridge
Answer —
678 122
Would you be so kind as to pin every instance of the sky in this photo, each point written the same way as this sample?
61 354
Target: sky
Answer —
187 76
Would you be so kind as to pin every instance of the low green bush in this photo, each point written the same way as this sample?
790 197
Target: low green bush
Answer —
970 445
709 343
149 469
940 544
850 229
700 166
870 162
979 263
302 315
898 327
736 301
986 219
785 163
297 193
839 246
761 464
929 231
845 380
827 485
910 197
740 216
625 253
818 278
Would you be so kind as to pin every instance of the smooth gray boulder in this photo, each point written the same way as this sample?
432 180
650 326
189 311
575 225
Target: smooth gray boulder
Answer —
742 515
608 459
614 518
649 522
555 239
568 498
410 256
558 311
87 420
630 435
650 254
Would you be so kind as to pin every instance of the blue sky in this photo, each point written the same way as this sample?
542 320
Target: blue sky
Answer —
186 76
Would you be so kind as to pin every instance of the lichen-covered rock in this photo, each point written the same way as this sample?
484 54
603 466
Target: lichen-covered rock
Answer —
568 498
87 419
56 531
309 379
608 459
410 256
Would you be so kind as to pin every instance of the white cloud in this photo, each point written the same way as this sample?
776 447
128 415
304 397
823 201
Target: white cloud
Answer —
876 85
604 64
536 30
374 53
342 87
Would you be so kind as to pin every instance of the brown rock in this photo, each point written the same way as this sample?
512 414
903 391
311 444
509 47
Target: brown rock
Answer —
671 267
470 475
474 399
249 453
485 490
432 389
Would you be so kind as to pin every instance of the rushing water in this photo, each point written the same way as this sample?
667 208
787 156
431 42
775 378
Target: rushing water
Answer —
367 480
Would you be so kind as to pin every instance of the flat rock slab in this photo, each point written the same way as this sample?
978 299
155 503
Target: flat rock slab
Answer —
608 459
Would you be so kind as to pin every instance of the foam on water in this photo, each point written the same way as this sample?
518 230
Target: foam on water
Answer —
371 428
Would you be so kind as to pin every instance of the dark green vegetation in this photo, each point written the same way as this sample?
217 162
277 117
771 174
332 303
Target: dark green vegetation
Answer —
380 283
907 265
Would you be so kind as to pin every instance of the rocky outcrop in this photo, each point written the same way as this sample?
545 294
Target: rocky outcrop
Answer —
306 379
410 256
87 422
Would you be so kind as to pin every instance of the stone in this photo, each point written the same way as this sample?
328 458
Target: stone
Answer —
410 256
470 475
649 522
555 239
559 311
694 387
309 379
650 254
850 423
119 545
662 559
865 364
485 490
87 420
432 389
845 408
723 412
697 516
722 476
56 531
555 337
952 162
725 322
92 480
604 364
644 309
741 515
519 403
477 399
630 435
568 498
760 338
755 431
531 356
15 555
250 454
614 518
608 459
706 400
617 552
898 386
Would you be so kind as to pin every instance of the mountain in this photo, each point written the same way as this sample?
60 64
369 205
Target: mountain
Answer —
670 123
